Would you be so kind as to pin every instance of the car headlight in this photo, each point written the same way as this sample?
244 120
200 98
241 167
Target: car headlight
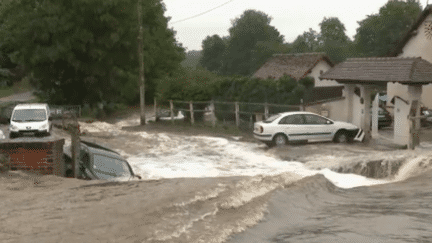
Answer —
45 126
12 127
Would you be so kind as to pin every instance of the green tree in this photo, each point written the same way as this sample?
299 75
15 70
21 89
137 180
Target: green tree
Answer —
84 51
307 42
213 48
251 28
335 43
378 33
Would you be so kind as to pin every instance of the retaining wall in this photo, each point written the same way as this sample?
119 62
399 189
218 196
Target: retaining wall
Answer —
40 156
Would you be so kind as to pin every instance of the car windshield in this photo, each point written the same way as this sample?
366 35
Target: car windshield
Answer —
272 118
107 168
29 115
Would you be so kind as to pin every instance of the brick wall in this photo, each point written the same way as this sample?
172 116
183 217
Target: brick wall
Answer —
43 156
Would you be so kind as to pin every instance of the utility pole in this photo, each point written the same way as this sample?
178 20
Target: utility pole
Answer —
141 63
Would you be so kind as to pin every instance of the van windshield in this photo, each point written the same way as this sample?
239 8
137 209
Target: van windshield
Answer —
29 115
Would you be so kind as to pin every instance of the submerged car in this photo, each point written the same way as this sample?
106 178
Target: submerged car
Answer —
287 127
98 162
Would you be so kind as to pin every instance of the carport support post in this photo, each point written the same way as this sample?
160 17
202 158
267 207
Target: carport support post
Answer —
266 111
172 111
213 115
155 110
349 94
191 112
237 115
366 95
375 116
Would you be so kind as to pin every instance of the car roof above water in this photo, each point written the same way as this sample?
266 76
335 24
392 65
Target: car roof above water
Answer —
31 106
296 112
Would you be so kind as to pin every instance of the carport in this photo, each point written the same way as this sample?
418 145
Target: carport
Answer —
361 76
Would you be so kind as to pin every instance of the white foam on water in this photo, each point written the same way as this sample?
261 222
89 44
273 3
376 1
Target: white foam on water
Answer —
180 156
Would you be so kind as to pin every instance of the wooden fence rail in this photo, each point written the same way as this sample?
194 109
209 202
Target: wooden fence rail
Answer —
263 111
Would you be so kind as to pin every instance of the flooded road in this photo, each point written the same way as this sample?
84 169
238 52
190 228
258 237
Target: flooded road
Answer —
208 189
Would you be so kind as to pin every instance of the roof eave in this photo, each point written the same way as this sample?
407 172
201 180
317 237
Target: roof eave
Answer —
407 36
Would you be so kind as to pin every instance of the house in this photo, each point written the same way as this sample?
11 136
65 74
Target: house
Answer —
297 66
417 42
326 98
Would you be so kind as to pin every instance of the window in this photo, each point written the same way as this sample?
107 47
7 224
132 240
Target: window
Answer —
292 119
106 167
272 118
29 115
313 119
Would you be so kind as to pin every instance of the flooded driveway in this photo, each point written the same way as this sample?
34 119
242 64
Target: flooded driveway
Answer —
209 189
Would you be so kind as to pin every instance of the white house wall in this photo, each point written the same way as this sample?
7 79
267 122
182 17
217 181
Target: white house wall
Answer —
334 110
316 72
418 46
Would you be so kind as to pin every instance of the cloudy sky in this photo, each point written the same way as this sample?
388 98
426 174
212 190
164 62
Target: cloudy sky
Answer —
290 17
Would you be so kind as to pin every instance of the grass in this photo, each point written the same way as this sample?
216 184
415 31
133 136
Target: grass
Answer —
17 88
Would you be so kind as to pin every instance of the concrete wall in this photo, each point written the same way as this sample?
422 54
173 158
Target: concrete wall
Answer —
316 72
418 46
42 157
334 110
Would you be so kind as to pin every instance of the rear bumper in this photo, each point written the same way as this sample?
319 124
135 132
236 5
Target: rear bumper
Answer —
263 137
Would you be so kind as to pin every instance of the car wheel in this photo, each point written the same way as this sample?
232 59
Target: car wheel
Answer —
341 137
280 140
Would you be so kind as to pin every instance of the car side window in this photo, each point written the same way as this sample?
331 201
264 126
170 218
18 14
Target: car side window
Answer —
315 120
292 119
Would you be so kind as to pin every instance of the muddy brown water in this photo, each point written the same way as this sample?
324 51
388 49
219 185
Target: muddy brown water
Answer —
281 207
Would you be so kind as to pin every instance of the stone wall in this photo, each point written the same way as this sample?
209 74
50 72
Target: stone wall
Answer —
40 156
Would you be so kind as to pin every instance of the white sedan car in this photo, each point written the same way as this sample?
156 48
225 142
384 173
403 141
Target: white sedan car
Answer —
285 127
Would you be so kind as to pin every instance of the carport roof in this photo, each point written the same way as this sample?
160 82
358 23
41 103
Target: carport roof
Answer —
380 70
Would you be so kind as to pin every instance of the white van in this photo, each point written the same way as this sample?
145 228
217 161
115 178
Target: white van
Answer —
30 119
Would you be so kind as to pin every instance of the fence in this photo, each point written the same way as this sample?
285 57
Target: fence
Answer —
239 112
57 111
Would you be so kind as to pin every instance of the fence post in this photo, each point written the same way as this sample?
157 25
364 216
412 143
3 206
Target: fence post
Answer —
266 111
191 112
172 111
301 105
155 110
79 110
213 114
237 115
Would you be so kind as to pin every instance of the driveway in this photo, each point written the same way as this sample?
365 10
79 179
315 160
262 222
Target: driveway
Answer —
19 97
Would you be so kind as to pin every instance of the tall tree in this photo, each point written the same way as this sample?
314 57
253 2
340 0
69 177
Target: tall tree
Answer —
335 43
86 51
378 33
213 48
308 42
250 28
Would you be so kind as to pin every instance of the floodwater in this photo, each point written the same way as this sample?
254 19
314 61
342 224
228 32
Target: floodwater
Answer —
205 189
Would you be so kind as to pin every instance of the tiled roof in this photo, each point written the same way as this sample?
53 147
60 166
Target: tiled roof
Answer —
381 70
296 66
323 93
411 32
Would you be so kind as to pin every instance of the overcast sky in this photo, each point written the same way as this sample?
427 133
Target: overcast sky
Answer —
290 17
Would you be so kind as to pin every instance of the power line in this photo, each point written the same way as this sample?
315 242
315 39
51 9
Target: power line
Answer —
202 12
